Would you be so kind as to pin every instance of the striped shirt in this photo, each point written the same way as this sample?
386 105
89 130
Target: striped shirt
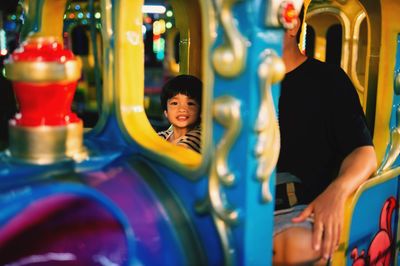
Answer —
191 140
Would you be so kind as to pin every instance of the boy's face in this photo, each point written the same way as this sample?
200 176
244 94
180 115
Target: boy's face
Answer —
182 111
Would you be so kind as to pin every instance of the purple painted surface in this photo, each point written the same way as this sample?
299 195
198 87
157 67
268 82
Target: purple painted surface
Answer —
62 230
156 241
70 230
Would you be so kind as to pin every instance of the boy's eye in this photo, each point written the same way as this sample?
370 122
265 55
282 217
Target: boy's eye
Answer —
173 103
191 103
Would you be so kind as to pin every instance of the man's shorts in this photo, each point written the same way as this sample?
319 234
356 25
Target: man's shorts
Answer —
283 219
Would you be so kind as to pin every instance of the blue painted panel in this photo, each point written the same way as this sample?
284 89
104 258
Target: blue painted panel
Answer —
367 216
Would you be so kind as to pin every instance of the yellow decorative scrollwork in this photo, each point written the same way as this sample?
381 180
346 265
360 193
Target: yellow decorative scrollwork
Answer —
229 58
270 71
226 111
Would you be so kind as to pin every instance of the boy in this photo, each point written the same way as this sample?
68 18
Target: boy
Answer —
181 102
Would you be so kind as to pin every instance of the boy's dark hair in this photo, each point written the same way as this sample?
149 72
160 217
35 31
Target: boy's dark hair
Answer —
301 18
183 84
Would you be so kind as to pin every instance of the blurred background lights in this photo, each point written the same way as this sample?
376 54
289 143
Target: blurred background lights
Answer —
156 28
148 20
3 43
153 9
169 13
162 26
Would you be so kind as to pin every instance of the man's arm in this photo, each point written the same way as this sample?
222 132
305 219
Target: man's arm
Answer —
328 208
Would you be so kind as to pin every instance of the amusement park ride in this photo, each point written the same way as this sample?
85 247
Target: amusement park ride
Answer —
111 192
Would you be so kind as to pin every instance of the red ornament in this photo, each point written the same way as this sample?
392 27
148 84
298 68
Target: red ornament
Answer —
46 92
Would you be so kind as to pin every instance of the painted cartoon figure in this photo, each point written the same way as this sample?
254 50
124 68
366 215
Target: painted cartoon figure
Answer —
380 250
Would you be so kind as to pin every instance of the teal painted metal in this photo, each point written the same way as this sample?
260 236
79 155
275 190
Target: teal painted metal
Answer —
253 233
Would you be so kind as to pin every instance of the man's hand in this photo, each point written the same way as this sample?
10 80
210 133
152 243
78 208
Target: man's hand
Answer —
328 208
328 213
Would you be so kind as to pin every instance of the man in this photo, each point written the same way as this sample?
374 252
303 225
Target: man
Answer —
326 153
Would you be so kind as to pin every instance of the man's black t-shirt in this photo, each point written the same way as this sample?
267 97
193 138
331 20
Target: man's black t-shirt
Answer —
321 122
